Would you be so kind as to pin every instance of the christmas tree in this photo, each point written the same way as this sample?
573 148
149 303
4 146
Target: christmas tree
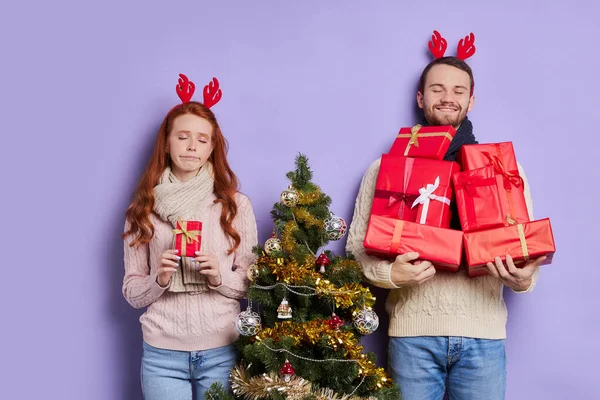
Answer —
304 343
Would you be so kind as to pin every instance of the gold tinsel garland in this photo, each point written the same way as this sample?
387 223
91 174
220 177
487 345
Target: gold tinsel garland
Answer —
310 333
302 215
261 386
288 242
292 273
307 199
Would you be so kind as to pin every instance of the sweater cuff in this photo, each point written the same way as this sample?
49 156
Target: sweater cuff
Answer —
215 287
156 288
528 290
384 274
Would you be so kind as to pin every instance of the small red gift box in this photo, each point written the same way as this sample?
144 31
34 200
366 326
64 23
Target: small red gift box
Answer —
478 199
188 238
414 189
389 237
501 157
423 141
523 242
473 156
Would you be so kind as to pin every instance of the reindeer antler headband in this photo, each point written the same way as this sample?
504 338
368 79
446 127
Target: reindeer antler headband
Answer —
185 90
464 50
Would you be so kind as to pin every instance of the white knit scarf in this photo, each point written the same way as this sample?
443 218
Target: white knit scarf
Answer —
175 200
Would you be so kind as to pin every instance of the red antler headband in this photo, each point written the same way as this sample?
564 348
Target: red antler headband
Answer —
185 90
464 50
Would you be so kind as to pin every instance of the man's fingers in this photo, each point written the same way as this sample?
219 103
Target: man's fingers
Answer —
426 274
502 271
492 270
424 265
407 257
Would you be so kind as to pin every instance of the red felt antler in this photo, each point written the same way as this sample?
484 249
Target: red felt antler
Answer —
437 45
185 89
212 93
466 47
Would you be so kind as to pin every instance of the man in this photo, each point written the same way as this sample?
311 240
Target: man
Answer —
446 330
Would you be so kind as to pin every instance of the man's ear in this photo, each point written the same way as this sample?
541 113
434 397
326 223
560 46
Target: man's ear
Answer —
471 103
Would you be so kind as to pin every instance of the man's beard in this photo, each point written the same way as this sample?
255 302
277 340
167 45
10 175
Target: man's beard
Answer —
440 119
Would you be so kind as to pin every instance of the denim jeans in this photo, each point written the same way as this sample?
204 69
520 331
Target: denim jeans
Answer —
170 374
425 368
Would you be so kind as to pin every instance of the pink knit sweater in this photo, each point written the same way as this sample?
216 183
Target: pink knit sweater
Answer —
185 321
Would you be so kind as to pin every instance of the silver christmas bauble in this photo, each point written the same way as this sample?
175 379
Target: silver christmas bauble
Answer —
366 321
248 323
335 227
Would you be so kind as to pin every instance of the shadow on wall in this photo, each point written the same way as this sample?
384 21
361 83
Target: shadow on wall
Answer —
124 319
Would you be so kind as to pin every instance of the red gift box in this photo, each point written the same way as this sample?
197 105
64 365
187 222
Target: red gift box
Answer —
501 156
188 238
523 242
389 237
473 156
423 141
414 189
478 199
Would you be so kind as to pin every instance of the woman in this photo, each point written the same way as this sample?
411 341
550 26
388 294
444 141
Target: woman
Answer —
192 302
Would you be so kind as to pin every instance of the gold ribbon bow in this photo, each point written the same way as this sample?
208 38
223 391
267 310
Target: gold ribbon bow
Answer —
190 235
413 137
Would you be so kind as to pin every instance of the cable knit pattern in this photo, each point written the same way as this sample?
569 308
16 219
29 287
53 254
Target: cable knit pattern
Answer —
192 321
449 304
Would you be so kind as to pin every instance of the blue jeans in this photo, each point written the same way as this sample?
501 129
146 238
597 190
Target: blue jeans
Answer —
425 368
170 374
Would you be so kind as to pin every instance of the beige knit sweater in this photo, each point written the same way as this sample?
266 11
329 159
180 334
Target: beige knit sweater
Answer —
192 321
449 304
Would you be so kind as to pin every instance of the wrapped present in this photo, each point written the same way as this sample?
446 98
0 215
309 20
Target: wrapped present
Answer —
473 156
478 199
523 242
414 189
188 237
423 141
389 237
501 157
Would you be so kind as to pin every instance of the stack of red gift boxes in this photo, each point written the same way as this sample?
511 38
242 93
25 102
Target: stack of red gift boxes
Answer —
414 190
490 195
411 207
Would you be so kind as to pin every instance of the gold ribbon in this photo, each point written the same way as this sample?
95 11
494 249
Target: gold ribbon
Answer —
523 241
397 235
414 135
190 235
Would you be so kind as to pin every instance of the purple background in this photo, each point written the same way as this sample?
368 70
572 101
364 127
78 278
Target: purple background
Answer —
84 86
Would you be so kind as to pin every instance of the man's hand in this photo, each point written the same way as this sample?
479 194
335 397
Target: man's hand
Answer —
407 273
518 279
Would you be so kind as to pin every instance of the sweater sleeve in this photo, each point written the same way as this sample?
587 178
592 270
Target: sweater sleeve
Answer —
529 203
140 287
234 281
376 271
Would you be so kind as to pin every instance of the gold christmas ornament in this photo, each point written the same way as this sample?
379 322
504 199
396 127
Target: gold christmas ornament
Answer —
272 245
289 197
252 272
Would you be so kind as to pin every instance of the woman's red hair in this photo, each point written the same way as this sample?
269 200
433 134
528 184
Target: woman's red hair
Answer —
226 183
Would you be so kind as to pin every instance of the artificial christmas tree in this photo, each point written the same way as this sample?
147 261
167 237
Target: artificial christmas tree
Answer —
304 343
